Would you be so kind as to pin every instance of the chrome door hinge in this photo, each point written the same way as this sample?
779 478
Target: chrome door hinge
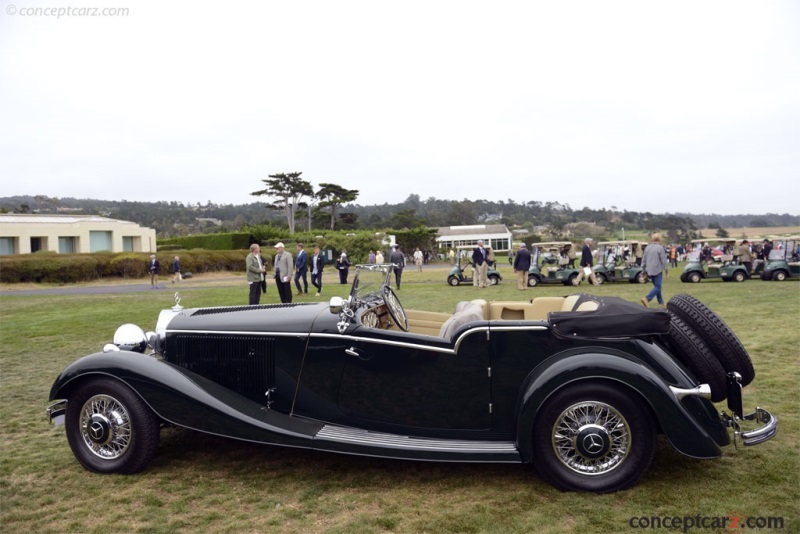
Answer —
490 407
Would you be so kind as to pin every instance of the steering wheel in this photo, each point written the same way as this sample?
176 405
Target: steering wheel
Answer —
395 308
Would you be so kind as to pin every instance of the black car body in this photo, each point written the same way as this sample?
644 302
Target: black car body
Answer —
578 386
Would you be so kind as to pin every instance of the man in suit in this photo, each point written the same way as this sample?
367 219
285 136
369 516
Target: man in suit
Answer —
283 273
399 261
152 267
480 259
255 273
587 262
522 263
301 270
317 264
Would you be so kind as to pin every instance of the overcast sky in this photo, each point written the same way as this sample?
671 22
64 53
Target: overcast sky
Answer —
646 106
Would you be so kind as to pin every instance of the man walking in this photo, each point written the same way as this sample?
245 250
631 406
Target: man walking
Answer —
654 262
301 270
587 263
399 261
317 263
152 267
480 261
522 263
283 274
255 273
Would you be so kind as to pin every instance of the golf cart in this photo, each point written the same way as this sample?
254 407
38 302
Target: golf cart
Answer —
464 261
620 267
783 262
709 261
552 262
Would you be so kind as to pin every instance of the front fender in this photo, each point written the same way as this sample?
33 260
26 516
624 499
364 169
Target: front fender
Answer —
183 398
681 429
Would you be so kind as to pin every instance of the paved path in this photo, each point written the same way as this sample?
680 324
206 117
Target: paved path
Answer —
124 288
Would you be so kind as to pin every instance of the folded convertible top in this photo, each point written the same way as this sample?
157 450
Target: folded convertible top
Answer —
613 318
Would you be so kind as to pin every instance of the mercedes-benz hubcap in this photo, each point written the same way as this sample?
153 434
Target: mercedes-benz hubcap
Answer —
105 427
591 438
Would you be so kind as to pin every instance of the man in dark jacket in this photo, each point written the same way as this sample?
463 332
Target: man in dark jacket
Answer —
399 261
301 270
152 267
480 261
317 264
587 263
522 263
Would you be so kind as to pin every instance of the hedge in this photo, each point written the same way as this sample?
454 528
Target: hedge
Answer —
69 268
229 241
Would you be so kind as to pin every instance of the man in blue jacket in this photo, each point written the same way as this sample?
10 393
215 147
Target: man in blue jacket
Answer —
522 263
301 270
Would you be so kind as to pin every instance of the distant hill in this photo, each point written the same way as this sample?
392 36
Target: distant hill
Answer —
171 219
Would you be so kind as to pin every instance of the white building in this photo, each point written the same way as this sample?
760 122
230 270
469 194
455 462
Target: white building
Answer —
495 236
68 234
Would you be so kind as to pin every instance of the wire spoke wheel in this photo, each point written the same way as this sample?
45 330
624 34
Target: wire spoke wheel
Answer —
591 438
105 427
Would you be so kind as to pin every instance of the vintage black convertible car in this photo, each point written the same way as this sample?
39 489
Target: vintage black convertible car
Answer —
579 386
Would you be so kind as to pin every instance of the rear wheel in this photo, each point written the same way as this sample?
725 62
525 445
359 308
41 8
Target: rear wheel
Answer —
572 281
110 429
721 340
695 354
600 277
593 437
641 278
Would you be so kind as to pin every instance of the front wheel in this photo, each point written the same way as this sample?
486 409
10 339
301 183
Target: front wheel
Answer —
453 280
694 277
779 276
601 279
593 437
494 280
641 278
533 281
110 429
739 276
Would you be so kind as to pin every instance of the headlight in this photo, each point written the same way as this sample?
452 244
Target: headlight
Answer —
130 337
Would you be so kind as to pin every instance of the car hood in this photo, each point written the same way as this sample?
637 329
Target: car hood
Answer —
285 318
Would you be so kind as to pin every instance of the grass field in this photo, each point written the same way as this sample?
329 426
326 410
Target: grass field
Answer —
203 483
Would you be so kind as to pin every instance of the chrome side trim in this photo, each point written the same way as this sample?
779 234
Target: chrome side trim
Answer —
404 344
396 441
703 390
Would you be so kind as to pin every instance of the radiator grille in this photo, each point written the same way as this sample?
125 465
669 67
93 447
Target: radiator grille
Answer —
245 364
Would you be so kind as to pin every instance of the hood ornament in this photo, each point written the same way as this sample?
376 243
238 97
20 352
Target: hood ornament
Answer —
177 306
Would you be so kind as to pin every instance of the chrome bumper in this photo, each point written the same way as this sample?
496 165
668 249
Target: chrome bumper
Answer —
56 411
752 437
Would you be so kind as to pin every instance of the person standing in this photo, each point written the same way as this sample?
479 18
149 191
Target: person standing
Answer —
511 257
745 256
255 273
152 267
371 257
399 261
418 259
176 269
301 270
283 273
317 263
587 264
343 266
480 259
522 264
379 257
654 263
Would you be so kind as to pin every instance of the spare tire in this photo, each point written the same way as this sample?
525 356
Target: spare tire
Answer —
720 339
694 353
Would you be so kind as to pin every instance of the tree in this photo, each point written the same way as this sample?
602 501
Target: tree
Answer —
334 196
288 189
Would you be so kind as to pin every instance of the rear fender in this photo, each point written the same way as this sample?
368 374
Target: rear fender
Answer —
683 431
182 398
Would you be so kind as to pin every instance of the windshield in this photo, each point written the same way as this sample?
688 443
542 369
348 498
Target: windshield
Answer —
776 254
693 257
369 280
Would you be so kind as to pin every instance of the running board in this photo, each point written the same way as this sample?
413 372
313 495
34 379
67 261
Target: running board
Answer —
363 442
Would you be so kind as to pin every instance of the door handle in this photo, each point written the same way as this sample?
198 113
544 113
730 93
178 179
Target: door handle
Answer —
352 352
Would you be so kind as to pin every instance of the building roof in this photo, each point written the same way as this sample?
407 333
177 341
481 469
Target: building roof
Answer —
483 229
28 218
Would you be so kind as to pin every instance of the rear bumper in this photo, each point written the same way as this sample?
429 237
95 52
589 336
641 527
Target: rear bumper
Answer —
769 423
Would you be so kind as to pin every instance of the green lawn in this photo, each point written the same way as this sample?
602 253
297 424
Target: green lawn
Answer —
204 483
